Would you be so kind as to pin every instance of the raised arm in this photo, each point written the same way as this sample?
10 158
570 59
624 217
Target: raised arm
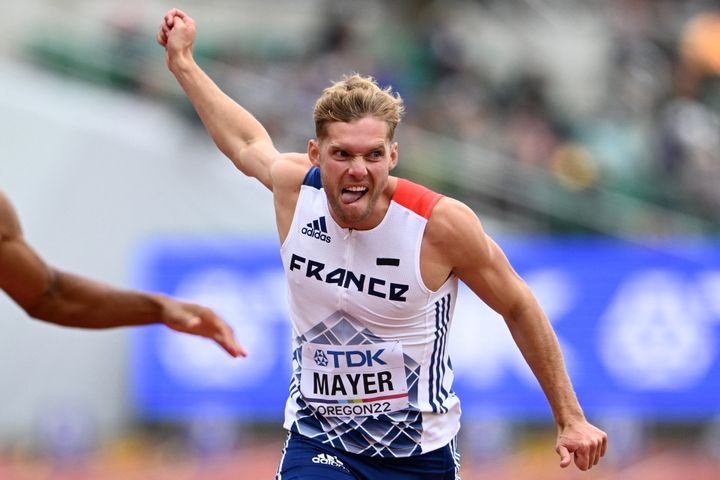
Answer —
238 134
69 300
480 263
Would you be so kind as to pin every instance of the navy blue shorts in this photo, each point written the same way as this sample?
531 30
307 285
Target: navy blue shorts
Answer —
307 459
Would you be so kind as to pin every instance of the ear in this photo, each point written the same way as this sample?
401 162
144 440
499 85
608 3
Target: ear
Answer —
313 151
393 155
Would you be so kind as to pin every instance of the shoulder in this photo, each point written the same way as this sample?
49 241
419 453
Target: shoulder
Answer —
288 171
456 230
415 197
452 216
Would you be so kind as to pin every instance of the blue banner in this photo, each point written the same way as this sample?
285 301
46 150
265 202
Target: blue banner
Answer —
638 325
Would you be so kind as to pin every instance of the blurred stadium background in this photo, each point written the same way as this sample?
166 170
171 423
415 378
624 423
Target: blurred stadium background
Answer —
585 134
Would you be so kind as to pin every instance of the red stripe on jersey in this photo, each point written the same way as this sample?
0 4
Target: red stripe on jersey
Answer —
417 198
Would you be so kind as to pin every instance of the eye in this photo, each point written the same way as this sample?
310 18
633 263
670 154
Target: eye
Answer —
341 154
375 155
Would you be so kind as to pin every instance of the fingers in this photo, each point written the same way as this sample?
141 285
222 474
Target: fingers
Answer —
202 321
597 449
583 441
162 36
226 339
232 347
585 455
171 19
176 14
177 23
588 455
565 457
601 449
222 333
583 458
596 455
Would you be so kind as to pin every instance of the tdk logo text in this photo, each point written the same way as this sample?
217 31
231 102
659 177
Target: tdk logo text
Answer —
353 358
317 229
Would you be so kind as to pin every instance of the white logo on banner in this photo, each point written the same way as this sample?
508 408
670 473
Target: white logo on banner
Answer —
656 333
251 305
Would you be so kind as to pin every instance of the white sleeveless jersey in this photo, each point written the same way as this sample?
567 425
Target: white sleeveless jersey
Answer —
371 372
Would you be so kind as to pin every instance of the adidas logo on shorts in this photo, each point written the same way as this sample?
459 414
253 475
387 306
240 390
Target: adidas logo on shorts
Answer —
317 229
325 459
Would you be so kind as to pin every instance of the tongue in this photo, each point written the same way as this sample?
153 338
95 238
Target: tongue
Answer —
350 197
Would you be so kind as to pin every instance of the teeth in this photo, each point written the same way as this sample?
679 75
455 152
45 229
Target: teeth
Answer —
356 189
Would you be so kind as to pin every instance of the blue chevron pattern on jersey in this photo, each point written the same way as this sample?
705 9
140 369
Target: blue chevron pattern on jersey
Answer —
396 434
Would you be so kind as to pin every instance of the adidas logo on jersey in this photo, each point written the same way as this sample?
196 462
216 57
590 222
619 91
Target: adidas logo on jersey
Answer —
317 229
326 459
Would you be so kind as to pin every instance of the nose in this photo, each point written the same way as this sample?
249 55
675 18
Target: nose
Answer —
357 168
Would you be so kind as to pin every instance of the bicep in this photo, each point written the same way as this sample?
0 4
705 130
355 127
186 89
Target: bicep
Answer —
492 278
481 264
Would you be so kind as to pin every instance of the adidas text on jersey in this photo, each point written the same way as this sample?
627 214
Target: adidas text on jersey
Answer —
327 459
317 229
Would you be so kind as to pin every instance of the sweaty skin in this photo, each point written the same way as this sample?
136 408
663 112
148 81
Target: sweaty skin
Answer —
355 160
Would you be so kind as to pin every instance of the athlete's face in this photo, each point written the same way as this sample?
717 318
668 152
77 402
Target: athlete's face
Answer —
355 160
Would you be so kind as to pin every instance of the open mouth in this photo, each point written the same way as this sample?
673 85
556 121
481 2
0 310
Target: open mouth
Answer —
352 194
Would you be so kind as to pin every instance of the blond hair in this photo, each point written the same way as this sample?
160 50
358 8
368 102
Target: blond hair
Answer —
355 97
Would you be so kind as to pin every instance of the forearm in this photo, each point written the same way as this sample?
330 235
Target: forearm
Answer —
75 301
233 129
539 346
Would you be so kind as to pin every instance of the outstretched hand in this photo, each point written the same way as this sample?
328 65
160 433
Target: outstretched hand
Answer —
201 321
583 441
176 34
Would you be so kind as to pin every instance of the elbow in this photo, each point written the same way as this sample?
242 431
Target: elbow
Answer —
48 305
57 313
520 311
43 309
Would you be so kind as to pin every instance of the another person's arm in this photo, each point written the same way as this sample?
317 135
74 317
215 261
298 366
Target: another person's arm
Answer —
238 134
480 263
48 294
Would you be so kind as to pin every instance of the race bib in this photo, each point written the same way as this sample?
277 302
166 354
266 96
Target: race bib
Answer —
354 380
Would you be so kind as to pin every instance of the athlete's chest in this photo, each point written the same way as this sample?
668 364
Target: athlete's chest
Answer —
379 265
376 268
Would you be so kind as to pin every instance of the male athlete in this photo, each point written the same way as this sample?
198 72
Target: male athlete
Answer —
69 300
373 263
